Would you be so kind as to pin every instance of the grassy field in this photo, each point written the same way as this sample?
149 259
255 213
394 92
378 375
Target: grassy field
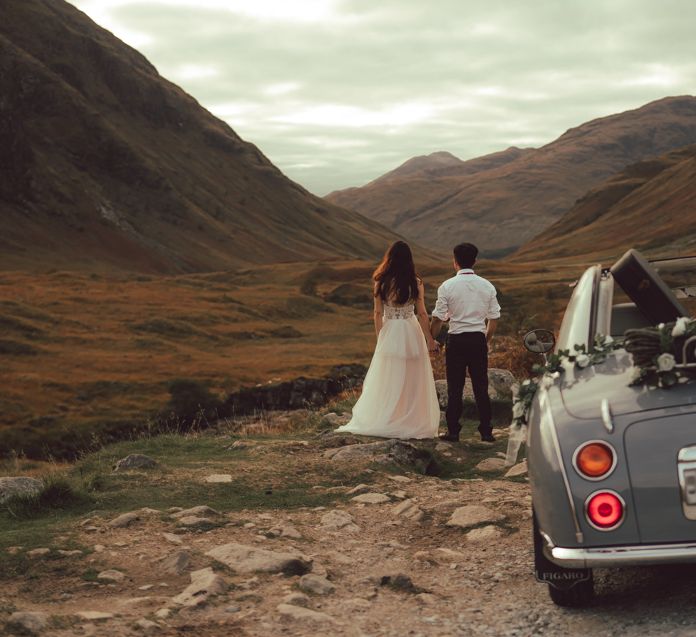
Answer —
90 357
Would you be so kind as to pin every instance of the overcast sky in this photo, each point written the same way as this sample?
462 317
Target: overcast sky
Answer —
338 92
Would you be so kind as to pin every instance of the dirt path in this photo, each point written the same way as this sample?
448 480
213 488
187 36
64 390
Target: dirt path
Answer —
390 568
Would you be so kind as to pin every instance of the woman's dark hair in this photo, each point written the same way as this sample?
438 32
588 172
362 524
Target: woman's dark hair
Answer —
465 255
396 276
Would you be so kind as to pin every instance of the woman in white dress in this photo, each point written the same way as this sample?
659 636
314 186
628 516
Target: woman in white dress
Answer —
398 396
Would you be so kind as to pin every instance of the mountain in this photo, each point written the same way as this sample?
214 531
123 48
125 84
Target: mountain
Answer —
104 163
650 205
501 201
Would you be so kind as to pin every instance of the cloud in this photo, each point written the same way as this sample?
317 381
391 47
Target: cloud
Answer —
338 92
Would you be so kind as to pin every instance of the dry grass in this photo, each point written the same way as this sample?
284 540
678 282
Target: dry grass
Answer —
97 353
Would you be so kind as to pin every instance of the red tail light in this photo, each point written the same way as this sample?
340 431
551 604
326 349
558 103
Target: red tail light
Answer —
605 510
594 460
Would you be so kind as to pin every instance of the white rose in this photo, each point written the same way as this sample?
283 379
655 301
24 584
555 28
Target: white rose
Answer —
608 340
679 328
546 382
582 360
526 382
661 326
517 410
666 362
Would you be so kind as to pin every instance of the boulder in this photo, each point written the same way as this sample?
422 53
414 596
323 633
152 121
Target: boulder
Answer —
176 564
19 486
198 511
124 520
204 584
28 623
490 465
297 613
296 599
518 470
371 498
194 522
472 515
484 534
135 461
316 584
337 519
111 576
249 559
405 454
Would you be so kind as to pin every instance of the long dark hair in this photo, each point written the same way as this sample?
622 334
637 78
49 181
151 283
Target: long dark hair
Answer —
396 276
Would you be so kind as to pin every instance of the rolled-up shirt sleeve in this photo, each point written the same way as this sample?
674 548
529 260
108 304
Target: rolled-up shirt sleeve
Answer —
493 306
441 310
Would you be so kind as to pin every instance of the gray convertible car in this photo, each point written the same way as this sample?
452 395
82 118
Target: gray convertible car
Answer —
611 446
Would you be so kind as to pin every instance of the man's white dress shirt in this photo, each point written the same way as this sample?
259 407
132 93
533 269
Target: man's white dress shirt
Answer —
467 300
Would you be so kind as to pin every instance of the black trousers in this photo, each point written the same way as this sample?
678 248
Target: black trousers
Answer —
467 351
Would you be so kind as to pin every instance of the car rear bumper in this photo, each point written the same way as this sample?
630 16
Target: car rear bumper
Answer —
635 555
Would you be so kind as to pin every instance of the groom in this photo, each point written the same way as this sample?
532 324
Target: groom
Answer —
470 303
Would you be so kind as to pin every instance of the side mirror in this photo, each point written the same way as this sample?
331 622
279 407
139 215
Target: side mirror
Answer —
539 341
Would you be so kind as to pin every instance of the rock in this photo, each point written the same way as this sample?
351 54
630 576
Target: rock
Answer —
111 576
64 553
450 555
94 615
426 598
520 469
296 599
194 522
219 478
199 511
249 559
135 461
357 604
177 563
29 623
400 478
357 490
398 452
491 464
483 534
472 515
19 486
173 538
204 584
401 583
337 519
163 613
316 584
124 520
38 552
285 530
297 613
409 509
146 626
333 419
372 498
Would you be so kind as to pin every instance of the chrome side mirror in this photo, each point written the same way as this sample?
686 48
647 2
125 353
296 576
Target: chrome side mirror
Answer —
539 341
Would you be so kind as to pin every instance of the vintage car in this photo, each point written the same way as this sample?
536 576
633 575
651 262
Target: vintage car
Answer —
612 462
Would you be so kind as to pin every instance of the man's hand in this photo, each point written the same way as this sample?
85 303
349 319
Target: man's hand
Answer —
433 346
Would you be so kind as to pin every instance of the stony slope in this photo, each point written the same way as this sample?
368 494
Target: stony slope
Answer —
105 163
502 206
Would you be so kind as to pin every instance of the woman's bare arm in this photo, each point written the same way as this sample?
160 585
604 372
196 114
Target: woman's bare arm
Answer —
422 315
378 310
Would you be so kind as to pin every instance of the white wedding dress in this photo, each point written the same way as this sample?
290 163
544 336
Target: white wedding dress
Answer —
398 396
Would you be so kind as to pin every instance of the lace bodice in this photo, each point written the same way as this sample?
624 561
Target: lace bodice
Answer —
398 312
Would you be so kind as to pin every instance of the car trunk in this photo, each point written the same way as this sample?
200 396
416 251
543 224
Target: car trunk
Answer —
661 504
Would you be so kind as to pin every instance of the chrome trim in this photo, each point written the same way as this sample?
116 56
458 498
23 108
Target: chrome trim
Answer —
607 417
621 555
614 462
686 462
623 510
544 404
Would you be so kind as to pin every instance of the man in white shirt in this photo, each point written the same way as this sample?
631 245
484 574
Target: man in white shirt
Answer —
470 304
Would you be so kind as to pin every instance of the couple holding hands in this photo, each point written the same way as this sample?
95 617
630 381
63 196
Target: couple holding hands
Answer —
398 398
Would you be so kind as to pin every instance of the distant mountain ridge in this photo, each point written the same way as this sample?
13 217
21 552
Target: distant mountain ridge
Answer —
103 163
650 205
503 200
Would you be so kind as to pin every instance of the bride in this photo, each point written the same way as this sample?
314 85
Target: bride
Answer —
398 397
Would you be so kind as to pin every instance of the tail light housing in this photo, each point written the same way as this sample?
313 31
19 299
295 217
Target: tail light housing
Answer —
594 460
605 510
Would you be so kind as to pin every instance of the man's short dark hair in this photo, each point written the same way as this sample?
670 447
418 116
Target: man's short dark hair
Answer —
465 255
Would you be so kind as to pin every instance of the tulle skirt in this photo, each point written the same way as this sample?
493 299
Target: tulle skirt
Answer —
398 396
